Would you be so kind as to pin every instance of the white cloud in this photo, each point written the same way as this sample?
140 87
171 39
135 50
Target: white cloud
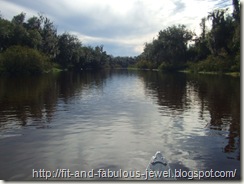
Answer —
136 43
125 24
8 9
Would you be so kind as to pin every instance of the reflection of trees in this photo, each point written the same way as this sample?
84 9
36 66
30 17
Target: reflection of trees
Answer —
21 98
220 95
34 99
71 83
169 89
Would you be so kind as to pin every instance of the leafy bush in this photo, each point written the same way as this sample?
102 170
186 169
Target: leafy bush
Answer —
19 60
166 67
144 64
171 67
213 64
236 66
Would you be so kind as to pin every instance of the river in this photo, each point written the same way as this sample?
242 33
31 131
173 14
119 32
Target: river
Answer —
117 120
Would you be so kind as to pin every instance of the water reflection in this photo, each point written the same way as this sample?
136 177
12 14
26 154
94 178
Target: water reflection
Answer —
118 120
32 101
217 96
168 89
220 95
22 99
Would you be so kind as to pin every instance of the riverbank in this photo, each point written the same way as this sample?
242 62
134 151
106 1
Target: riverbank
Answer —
233 74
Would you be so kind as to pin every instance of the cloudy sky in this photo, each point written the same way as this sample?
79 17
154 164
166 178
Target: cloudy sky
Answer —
121 26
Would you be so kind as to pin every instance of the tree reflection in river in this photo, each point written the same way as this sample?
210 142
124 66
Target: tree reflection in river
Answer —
32 101
219 96
90 119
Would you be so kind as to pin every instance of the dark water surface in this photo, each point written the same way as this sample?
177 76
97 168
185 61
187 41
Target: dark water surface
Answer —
118 120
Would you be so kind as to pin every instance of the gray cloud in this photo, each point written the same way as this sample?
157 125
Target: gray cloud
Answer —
179 6
121 26
109 24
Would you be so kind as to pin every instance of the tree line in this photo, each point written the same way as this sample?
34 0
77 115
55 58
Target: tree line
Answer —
215 50
33 46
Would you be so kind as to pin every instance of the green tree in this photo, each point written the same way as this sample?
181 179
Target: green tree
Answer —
19 19
19 60
236 36
93 58
34 23
175 40
236 11
49 39
199 50
69 50
222 31
34 39
170 48
6 34
20 34
99 58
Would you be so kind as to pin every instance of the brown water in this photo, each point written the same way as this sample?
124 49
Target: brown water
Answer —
118 120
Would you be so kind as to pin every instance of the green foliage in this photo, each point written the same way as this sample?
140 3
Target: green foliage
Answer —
121 62
49 39
219 64
19 19
56 68
235 67
34 39
92 58
221 33
39 33
167 67
144 64
18 60
69 50
170 46
215 50
173 41
223 40
6 33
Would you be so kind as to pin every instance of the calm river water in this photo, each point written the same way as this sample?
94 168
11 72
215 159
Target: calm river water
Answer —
118 120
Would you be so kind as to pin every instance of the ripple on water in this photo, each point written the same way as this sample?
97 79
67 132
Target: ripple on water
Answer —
118 120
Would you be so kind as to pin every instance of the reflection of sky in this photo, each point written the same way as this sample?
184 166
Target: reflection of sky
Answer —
129 117
118 126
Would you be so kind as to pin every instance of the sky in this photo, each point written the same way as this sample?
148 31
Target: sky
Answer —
121 26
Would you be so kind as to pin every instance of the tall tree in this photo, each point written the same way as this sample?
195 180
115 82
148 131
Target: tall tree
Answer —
200 49
19 19
203 28
174 42
69 50
34 23
168 48
20 35
221 32
49 39
236 11
6 34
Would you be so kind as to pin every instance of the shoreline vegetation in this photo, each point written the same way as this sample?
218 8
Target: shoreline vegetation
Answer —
32 47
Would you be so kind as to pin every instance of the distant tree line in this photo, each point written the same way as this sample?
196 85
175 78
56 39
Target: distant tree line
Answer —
33 46
215 50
